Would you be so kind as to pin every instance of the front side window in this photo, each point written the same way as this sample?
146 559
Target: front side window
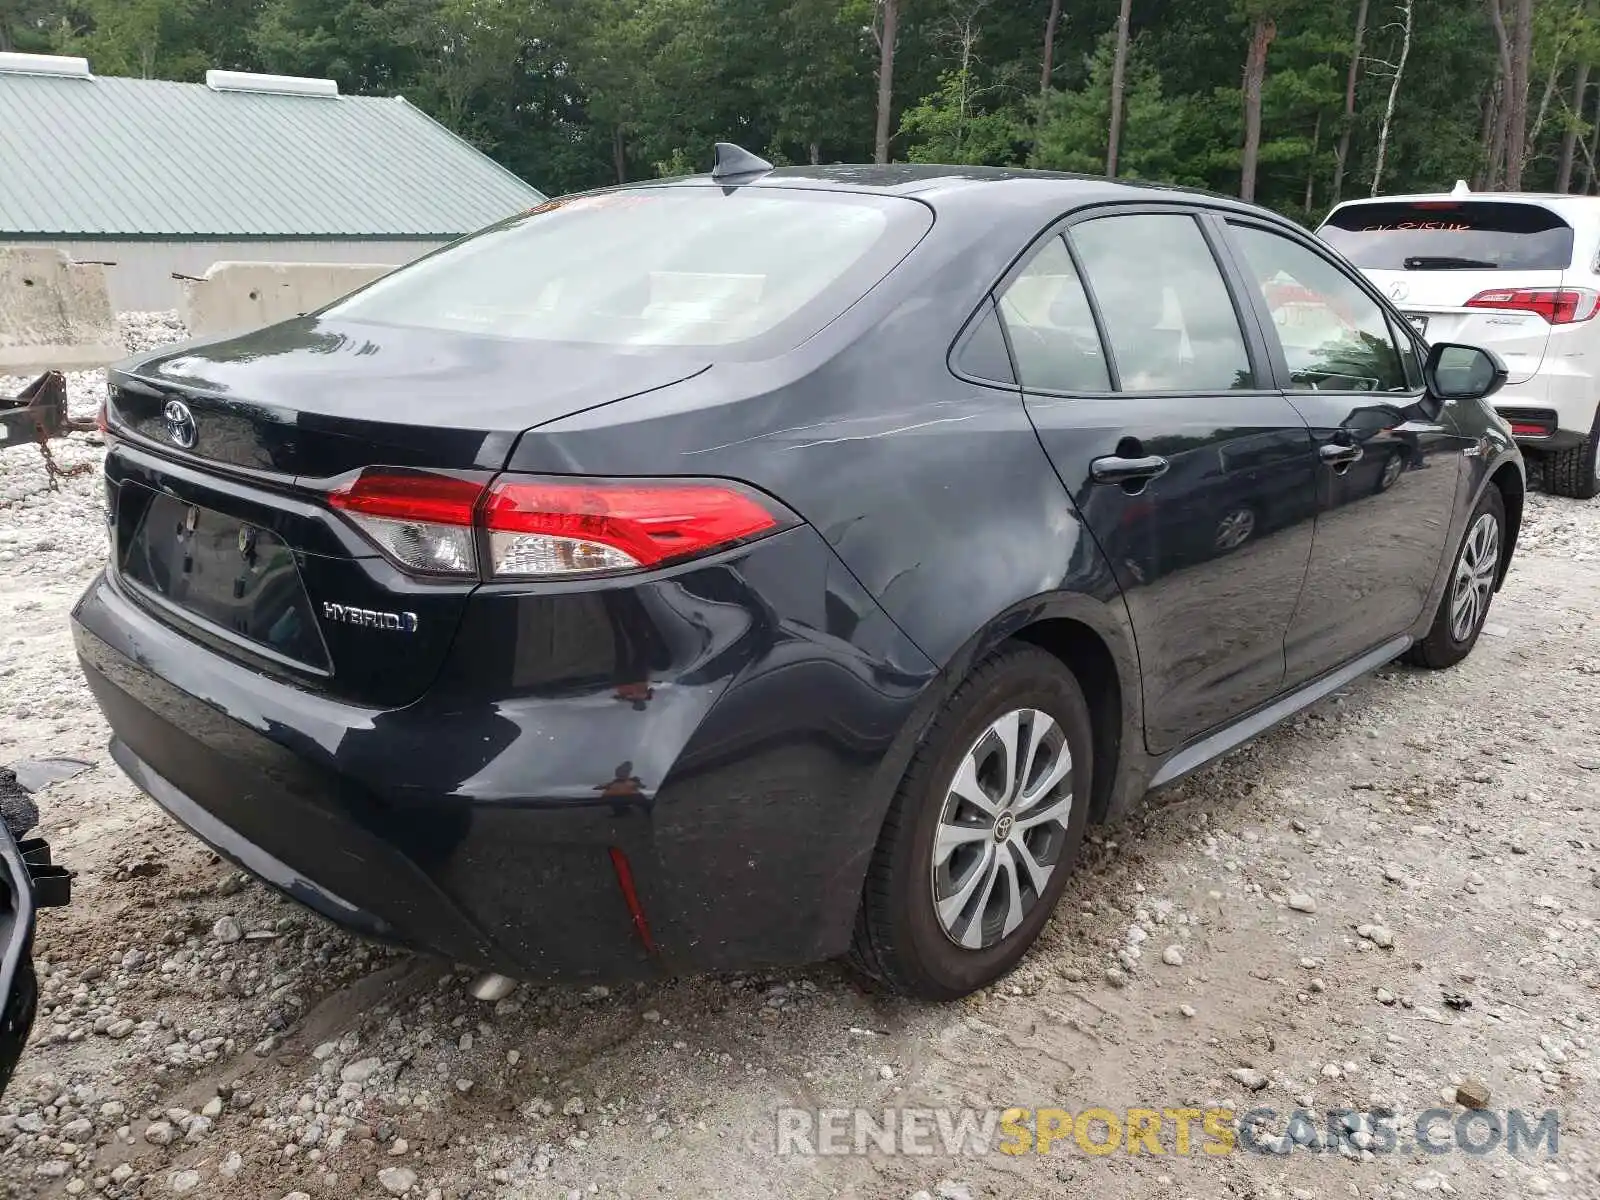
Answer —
1335 337
1168 314
1408 356
656 268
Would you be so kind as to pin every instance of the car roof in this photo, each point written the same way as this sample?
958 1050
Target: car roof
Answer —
941 186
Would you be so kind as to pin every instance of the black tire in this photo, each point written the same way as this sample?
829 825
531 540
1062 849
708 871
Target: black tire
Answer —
1441 648
899 940
1571 472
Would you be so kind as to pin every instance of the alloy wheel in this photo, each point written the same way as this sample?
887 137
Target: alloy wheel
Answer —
1235 529
1391 472
1002 828
1473 584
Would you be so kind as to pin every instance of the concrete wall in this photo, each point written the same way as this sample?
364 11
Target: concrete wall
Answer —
238 296
139 275
54 313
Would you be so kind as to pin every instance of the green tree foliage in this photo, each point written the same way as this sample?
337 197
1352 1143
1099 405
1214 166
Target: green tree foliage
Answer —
578 93
952 126
1071 128
26 25
148 38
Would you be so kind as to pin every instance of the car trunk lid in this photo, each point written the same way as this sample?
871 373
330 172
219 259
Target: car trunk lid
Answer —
219 511
308 400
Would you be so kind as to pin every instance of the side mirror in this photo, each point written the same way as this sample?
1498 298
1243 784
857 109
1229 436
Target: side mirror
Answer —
1456 372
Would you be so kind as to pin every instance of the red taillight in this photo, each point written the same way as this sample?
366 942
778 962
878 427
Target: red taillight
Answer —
1559 306
548 527
1523 429
410 496
421 520
556 527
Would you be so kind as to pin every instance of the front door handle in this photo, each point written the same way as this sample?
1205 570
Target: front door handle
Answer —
1337 455
1116 469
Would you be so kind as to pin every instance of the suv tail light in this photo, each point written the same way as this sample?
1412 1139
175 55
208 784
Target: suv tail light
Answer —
1559 306
550 527
1529 422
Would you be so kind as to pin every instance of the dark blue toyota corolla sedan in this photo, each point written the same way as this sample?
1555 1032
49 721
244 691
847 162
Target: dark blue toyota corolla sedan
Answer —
759 567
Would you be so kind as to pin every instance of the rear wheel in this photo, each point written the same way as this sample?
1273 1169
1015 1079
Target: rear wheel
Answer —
1575 471
1465 604
983 833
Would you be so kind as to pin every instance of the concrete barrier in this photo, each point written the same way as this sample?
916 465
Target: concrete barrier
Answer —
238 296
55 314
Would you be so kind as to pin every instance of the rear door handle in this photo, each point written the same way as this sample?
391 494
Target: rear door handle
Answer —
1336 455
1116 469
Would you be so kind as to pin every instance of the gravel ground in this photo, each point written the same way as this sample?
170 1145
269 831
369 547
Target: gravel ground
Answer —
1393 896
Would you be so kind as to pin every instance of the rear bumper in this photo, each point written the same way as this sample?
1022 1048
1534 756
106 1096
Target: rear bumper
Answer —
1560 403
1539 428
729 729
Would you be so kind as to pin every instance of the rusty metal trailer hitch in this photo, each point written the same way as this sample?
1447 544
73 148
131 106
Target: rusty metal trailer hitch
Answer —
38 414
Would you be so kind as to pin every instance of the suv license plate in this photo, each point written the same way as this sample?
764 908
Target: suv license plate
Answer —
1419 322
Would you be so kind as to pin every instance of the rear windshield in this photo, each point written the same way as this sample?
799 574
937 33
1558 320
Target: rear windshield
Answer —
1469 235
666 267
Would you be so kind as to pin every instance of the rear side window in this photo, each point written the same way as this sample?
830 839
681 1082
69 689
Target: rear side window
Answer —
1168 314
1051 326
741 271
1464 235
983 355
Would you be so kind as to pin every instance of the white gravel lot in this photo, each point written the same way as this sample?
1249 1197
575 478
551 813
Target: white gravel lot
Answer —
1395 895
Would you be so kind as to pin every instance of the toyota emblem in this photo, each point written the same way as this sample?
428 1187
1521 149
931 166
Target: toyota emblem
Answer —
180 423
1399 291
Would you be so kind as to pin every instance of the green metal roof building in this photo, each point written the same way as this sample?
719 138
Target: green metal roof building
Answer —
165 178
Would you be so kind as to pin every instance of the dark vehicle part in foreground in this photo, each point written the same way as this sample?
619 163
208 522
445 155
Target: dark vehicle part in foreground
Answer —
37 414
28 882
758 568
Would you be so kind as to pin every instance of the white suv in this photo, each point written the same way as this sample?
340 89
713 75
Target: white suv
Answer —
1517 273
